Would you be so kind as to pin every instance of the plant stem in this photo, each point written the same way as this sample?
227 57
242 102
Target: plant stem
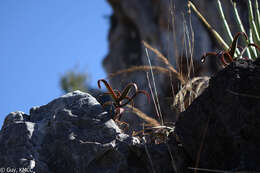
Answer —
220 40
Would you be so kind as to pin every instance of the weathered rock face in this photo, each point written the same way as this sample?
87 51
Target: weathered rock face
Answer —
165 25
73 134
221 129
66 135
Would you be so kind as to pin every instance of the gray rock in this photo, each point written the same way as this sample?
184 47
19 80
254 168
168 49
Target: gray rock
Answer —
67 135
73 134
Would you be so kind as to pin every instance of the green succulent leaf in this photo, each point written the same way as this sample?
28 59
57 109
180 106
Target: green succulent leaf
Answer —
226 26
241 27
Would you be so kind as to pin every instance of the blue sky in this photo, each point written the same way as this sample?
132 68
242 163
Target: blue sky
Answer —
42 39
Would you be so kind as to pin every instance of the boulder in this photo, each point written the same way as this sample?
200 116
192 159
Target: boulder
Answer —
74 134
221 128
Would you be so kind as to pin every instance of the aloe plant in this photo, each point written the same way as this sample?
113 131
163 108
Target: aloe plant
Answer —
253 33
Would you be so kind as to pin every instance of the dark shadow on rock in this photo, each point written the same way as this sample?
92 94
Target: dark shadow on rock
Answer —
221 129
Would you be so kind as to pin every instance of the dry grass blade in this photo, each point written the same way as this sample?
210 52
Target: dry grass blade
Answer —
165 61
202 85
142 115
194 87
139 68
159 54
153 97
157 104
213 31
